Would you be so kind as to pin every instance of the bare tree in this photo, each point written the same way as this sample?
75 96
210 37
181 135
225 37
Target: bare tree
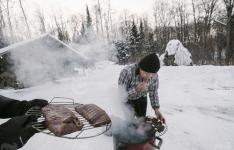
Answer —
229 8
2 23
195 21
125 24
41 18
209 7
9 20
96 18
61 27
100 15
180 19
108 21
163 17
25 18
99 18
75 25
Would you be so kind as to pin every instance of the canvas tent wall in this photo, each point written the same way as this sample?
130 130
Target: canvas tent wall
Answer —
42 59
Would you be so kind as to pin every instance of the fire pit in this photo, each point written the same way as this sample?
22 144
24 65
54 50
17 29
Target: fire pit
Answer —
141 134
147 145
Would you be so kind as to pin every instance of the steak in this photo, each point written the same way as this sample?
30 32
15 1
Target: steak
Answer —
60 120
94 114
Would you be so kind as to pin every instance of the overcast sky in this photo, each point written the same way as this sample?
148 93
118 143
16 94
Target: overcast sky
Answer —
73 6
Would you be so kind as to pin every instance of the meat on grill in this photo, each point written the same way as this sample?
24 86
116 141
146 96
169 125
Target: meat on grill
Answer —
60 120
94 114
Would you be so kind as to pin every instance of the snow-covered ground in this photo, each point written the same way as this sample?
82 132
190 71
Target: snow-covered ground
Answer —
197 102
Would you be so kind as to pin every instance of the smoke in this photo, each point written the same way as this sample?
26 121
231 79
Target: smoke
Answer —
95 48
44 59
131 131
121 100
126 127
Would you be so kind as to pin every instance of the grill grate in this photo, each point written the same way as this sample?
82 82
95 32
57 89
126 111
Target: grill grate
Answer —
159 128
88 130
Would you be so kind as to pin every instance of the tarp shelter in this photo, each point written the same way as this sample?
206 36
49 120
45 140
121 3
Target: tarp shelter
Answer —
176 54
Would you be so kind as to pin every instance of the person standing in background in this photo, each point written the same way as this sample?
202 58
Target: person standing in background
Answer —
138 80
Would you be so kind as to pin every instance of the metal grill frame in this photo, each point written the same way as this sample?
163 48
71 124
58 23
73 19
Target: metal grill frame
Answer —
157 133
70 104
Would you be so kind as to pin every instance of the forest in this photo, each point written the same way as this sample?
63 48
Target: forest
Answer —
204 27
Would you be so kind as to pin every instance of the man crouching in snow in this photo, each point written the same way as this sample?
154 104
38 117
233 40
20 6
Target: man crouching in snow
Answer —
140 79
18 130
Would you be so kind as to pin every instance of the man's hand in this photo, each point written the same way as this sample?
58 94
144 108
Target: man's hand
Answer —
17 131
159 115
140 87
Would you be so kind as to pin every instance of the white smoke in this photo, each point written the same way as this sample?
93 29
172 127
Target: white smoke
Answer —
131 131
125 126
96 49
44 59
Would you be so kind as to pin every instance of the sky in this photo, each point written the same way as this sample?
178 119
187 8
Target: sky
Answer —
74 6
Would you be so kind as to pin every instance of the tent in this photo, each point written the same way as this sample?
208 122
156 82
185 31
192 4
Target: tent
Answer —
42 59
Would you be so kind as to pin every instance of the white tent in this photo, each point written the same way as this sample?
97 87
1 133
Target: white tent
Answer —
43 59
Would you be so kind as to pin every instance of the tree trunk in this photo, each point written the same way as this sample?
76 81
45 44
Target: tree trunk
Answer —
100 15
229 7
25 18
42 21
9 23
1 23
108 21
195 21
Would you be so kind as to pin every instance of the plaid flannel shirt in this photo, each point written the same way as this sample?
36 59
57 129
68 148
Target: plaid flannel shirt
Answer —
129 78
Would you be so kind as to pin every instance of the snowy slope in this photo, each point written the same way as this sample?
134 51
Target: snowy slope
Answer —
196 101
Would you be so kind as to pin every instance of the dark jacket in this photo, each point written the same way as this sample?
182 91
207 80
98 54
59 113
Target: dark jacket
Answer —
18 130
10 107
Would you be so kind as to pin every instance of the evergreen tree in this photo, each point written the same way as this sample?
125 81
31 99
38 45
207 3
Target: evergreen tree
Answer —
82 31
88 18
122 51
60 34
63 35
89 34
141 39
134 40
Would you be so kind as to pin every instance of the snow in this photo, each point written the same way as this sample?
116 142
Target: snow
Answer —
182 55
161 58
196 101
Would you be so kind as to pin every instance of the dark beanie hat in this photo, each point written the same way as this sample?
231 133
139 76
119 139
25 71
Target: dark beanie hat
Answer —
150 63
